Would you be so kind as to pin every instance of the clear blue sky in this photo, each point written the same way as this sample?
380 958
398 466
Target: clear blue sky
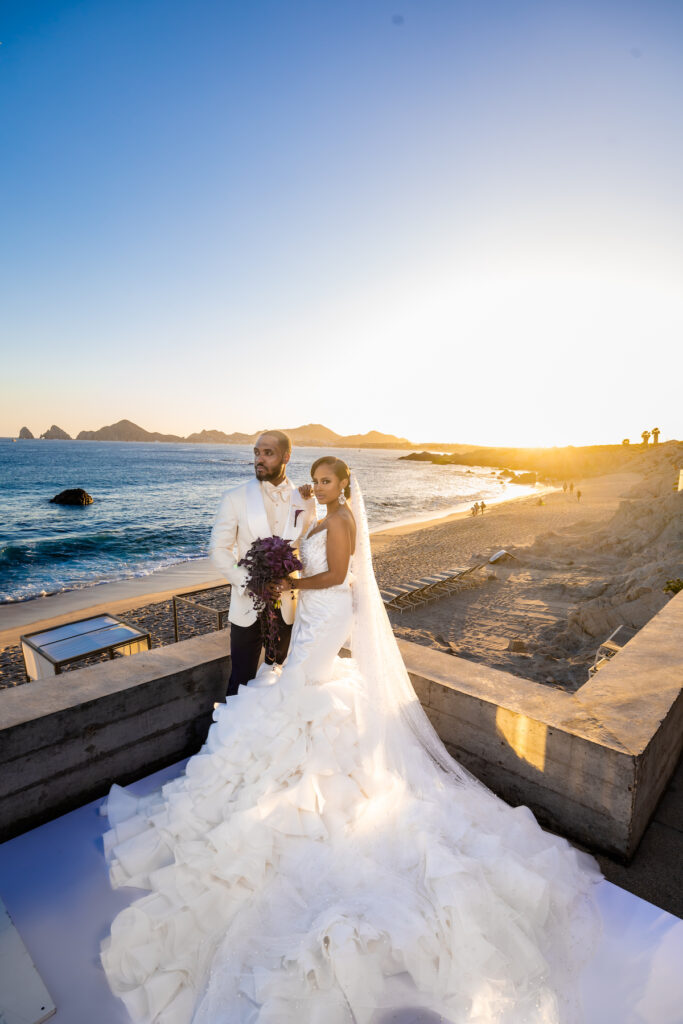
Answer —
447 220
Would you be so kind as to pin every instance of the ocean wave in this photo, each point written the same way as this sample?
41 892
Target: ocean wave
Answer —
122 545
155 506
27 591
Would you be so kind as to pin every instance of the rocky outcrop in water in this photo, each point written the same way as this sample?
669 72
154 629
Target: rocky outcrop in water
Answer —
26 435
72 496
436 459
56 434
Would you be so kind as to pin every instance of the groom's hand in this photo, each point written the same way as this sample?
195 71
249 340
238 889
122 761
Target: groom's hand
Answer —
306 491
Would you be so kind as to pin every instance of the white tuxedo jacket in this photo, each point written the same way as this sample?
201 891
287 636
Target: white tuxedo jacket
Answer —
241 520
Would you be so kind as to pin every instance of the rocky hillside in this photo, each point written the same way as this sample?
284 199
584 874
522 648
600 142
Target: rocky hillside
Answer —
558 464
217 437
638 551
124 430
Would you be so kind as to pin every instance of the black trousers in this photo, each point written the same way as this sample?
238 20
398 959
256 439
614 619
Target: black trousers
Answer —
245 649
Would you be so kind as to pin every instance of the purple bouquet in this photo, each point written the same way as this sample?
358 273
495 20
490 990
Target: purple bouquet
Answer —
268 559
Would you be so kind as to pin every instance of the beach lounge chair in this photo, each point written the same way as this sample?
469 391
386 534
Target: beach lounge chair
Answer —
501 556
406 596
415 593
402 596
608 649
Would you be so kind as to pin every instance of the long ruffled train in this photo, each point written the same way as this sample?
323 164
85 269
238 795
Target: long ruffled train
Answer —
287 882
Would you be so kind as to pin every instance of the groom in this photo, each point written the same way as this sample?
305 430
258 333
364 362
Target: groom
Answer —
265 506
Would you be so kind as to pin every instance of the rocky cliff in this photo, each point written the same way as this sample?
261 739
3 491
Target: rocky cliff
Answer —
568 463
56 433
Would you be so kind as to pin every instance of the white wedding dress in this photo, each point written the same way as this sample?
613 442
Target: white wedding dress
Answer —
322 860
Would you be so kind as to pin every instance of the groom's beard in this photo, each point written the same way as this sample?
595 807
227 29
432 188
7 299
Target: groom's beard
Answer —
262 473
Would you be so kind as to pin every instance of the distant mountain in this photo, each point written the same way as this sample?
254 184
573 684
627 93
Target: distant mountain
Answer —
314 435
124 430
56 434
25 434
218 437
373 439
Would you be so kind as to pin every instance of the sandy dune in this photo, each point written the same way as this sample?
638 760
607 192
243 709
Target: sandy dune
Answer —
579 570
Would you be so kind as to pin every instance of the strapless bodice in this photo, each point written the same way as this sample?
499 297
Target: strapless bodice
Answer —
313 555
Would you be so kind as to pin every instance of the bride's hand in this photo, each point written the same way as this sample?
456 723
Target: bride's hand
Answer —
273 590
288 583
306 491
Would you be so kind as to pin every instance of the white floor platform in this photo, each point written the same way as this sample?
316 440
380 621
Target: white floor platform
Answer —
54 884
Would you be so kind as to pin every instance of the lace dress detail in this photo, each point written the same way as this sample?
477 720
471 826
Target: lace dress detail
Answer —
313 554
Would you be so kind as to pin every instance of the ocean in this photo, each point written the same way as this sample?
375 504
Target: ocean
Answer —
154 504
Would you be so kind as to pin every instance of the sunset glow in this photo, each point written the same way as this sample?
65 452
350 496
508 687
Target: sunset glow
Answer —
460 226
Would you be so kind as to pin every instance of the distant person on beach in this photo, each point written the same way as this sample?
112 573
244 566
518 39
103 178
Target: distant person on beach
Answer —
571 487
482 506
265 506
578 495
475 508
564 487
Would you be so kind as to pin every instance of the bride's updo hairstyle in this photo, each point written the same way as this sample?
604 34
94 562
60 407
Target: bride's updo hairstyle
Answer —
339 468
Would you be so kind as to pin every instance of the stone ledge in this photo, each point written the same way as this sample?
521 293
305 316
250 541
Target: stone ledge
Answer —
592 765
65 740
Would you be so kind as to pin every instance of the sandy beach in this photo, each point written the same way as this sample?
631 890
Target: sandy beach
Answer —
578 569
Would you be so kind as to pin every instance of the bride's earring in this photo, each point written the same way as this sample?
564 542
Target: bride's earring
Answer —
342 498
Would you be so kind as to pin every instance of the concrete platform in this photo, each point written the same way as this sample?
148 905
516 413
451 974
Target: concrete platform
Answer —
54 883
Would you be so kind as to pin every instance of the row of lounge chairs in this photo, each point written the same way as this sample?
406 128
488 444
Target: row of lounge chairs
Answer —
406 596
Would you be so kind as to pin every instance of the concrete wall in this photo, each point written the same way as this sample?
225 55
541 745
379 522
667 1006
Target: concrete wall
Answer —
63 741
591 765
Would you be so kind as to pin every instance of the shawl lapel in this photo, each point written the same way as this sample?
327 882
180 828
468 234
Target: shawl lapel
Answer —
256 510
258 519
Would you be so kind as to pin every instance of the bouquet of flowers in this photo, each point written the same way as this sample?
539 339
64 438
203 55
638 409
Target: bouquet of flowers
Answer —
268 559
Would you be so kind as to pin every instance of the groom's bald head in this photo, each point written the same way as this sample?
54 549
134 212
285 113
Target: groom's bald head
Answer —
282 440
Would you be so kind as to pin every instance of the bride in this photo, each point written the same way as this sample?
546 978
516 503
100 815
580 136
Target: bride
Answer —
323 859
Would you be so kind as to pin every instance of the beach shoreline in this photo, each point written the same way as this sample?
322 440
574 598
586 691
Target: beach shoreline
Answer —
538 614
143 519
118 596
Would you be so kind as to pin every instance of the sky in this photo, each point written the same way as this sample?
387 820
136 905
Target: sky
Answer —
446 220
